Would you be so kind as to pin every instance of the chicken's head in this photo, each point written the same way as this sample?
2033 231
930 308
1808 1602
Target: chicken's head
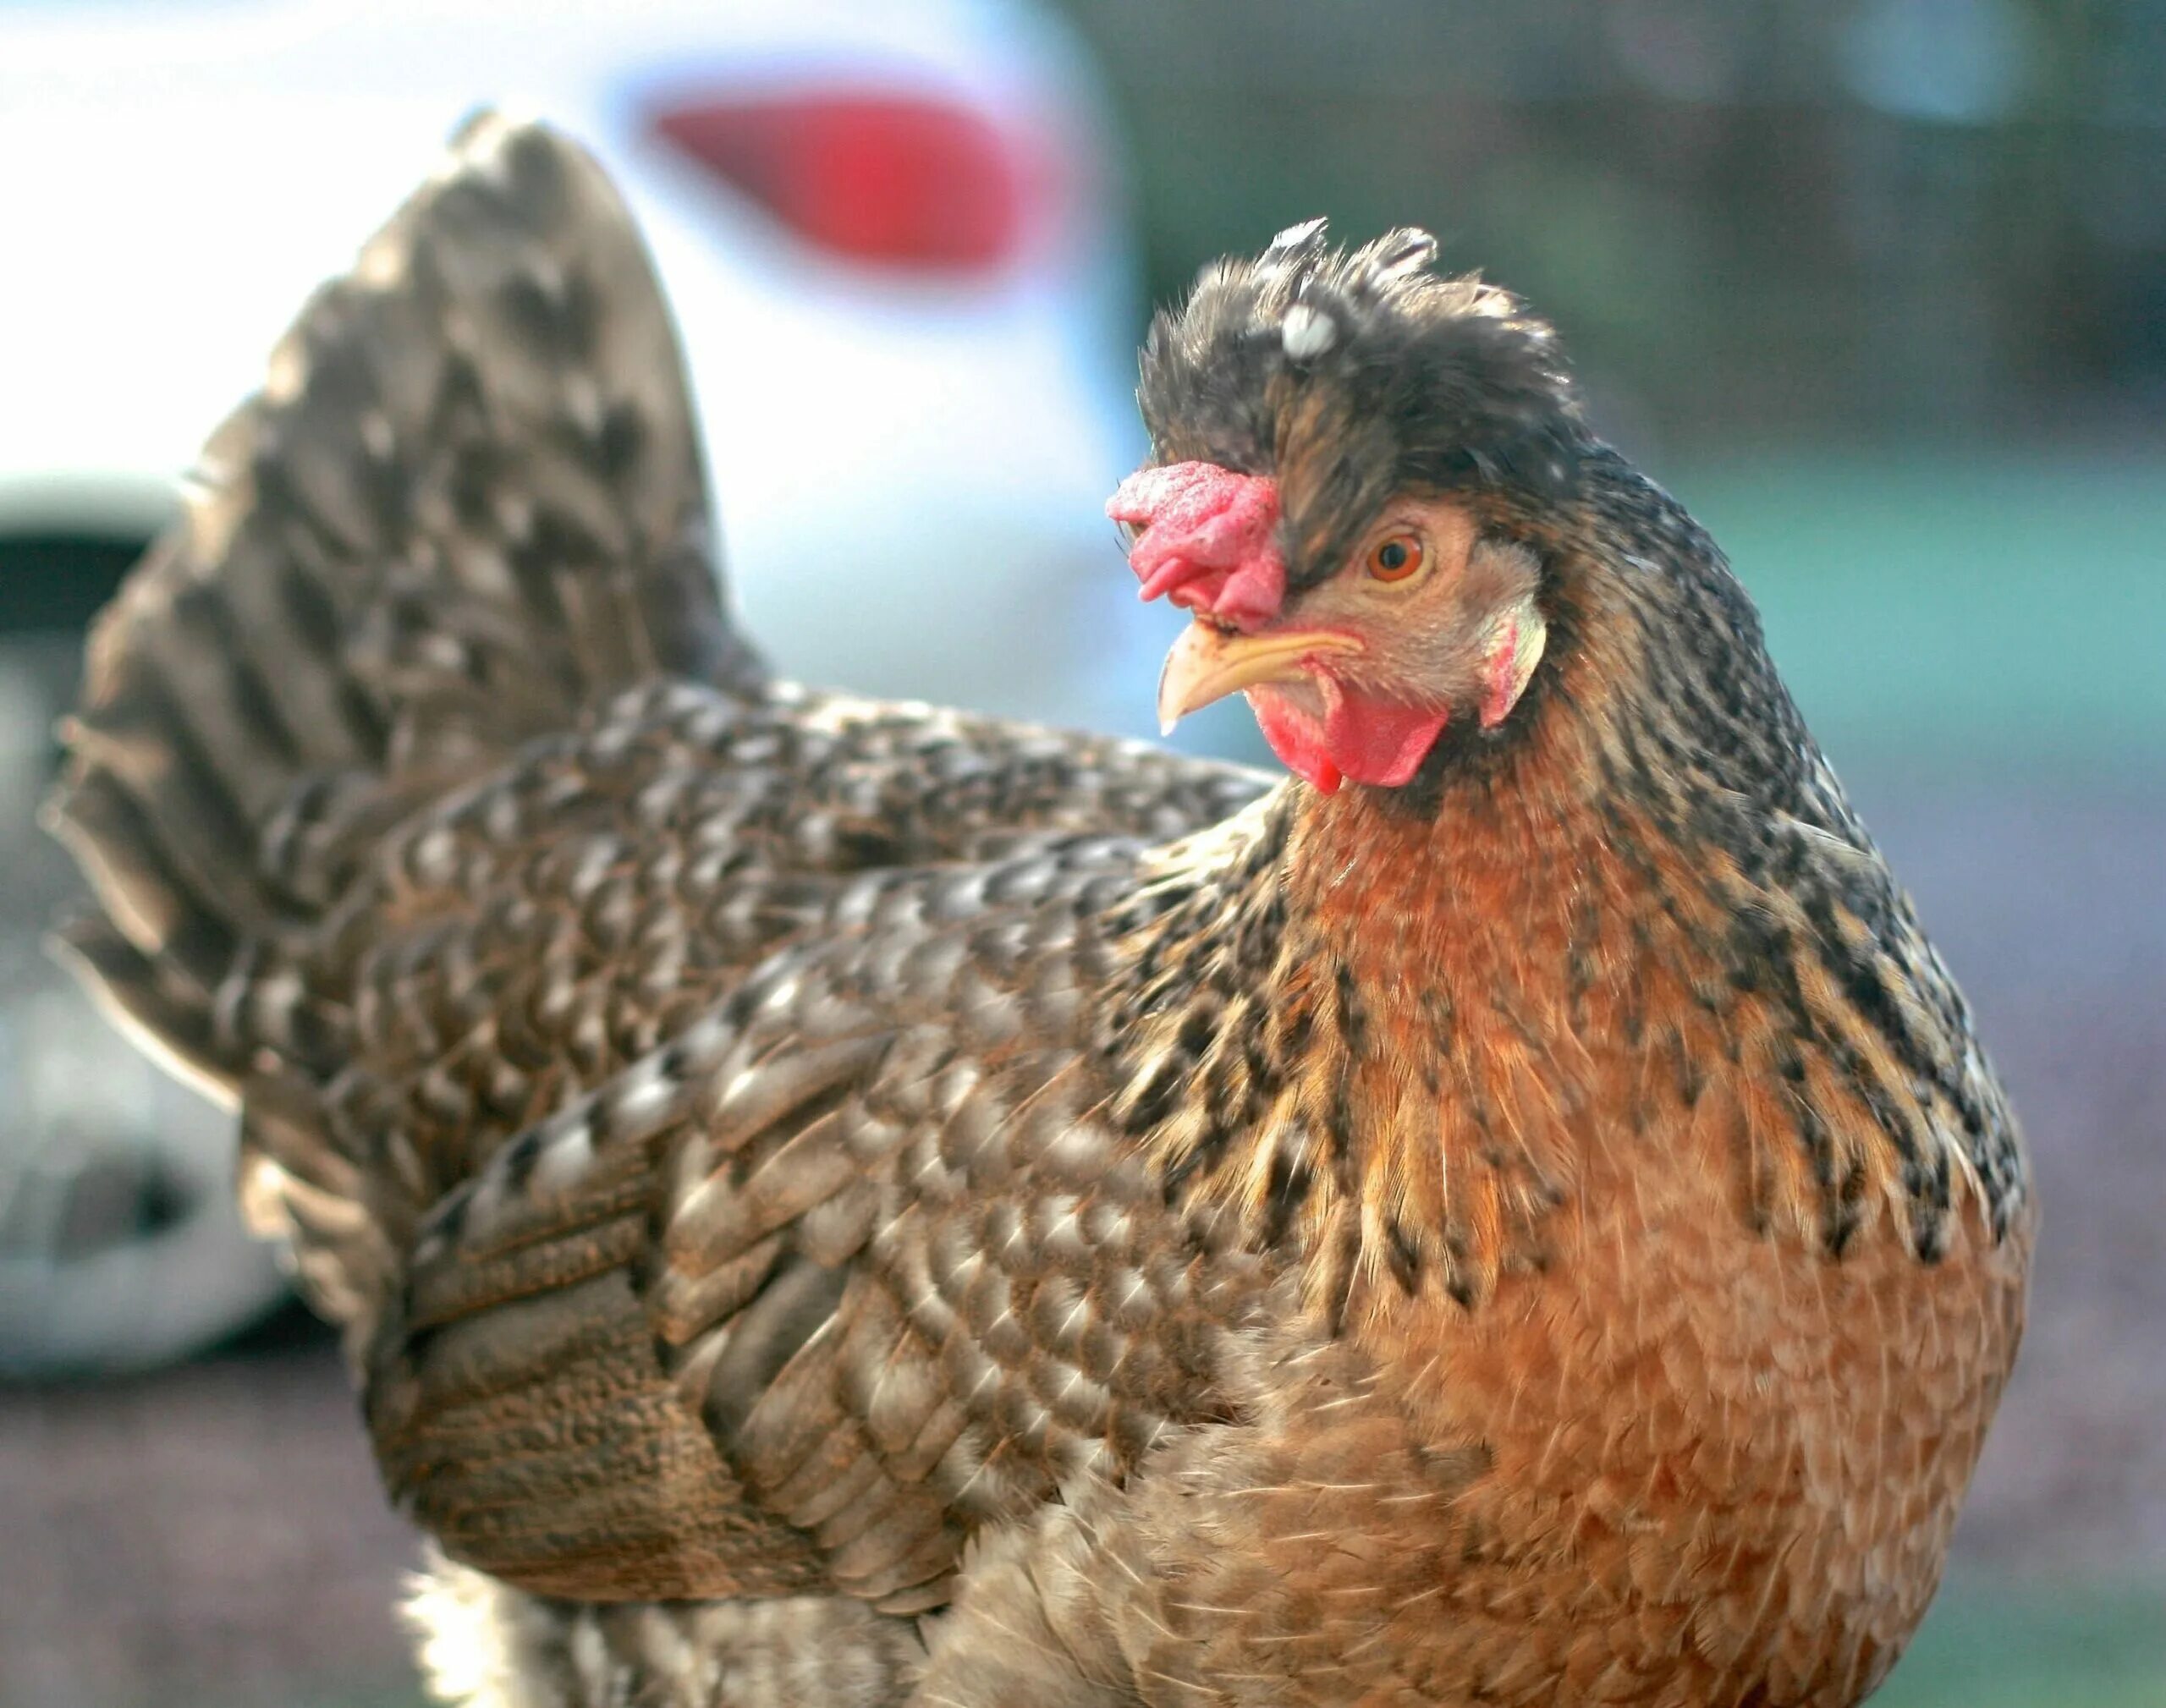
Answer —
1347 449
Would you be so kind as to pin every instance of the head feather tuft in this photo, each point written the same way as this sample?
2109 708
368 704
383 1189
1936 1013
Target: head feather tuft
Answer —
1350 375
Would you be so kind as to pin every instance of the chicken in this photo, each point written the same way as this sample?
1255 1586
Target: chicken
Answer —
838 1203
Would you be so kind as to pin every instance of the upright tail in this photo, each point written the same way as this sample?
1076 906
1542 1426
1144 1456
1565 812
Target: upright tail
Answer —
467 504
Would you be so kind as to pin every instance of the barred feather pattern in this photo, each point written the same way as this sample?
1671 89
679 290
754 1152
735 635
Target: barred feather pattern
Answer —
899 1265
846 1203
559 922
440 819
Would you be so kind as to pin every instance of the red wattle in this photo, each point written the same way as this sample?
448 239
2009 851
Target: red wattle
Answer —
1207 539
1360 739
1380 741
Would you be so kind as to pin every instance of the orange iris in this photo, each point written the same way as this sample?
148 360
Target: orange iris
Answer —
1396 557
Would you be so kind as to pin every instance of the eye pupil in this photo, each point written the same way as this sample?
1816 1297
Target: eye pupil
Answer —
1395 559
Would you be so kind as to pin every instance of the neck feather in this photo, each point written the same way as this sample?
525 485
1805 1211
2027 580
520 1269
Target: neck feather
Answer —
1410 1038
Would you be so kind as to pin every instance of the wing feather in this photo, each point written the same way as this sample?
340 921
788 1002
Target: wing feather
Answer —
888 1260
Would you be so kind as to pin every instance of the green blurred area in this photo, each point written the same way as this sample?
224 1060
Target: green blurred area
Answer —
2066 1648
1988 612
1791 218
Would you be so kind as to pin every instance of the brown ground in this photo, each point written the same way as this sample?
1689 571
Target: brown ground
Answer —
214 1535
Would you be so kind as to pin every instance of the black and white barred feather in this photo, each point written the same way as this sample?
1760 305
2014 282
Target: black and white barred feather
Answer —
589 1001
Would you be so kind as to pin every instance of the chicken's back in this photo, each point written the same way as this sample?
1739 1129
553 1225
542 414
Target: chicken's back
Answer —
426 789
425 738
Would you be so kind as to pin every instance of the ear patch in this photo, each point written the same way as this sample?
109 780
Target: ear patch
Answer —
1515 645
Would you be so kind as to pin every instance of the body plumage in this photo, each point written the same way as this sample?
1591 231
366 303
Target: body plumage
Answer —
839 1202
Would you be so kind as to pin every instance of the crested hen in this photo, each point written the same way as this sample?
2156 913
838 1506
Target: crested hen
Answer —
840 1203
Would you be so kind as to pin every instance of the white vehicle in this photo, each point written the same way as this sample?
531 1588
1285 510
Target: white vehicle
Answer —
892 232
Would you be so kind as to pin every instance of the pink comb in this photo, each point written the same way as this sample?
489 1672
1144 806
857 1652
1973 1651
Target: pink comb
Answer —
1205 539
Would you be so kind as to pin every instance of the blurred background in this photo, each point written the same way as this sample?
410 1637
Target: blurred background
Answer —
1877 287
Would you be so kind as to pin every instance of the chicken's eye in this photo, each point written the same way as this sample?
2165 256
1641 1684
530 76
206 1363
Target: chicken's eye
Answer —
1397 558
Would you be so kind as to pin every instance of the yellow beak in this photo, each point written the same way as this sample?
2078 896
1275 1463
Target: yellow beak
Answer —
1208 664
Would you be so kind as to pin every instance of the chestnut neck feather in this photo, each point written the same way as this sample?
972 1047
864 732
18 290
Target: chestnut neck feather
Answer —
1397 1029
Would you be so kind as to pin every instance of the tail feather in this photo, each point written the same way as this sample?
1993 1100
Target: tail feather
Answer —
467 505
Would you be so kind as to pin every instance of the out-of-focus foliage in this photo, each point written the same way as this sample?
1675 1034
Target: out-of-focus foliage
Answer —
1787 217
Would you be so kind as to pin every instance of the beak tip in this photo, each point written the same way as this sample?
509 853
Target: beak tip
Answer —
1208 663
